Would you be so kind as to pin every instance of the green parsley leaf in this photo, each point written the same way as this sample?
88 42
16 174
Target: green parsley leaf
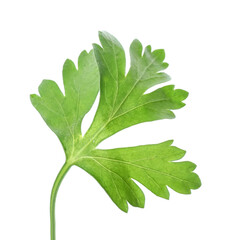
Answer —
151 165
64 114
123 103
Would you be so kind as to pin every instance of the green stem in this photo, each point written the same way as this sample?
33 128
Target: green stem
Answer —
55 188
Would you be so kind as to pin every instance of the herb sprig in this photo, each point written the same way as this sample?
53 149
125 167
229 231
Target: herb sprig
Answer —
123 103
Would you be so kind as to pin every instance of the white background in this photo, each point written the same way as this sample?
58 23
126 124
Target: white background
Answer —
36 38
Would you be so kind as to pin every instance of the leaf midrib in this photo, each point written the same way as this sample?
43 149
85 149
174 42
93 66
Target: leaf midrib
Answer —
68 125
138 166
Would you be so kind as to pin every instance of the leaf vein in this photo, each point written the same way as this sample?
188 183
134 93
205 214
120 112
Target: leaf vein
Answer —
141 167
94 159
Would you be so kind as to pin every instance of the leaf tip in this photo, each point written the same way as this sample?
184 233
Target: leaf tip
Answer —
32 96
43 84
167 197
136 48
159 54
83 55
67 63
148 49
142 205
197 183
169 142
165 65
33 99
103 35
183 94
96 47
136 42
100 33
124 208
126 211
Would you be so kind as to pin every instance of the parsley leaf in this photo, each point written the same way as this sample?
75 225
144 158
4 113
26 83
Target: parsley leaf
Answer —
123 103
64 114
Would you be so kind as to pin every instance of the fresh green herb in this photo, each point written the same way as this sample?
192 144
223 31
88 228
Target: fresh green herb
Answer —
123 103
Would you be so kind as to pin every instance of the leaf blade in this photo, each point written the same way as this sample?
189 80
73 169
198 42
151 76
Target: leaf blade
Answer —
153 166
64 113
123 103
